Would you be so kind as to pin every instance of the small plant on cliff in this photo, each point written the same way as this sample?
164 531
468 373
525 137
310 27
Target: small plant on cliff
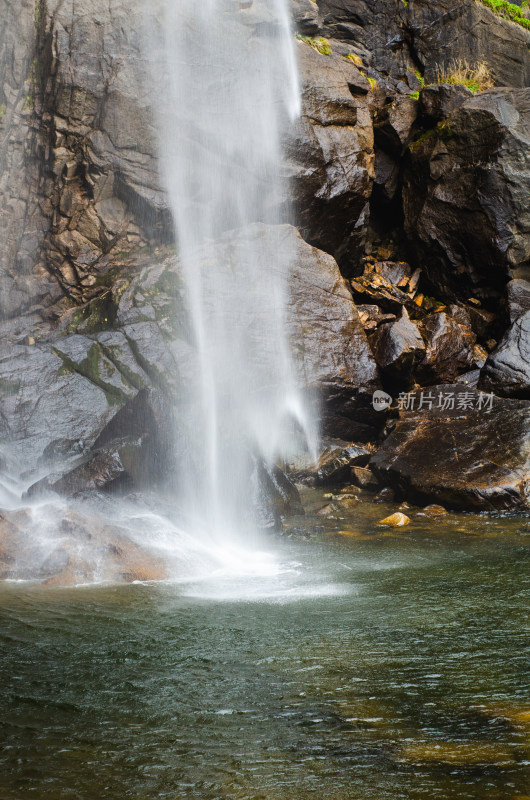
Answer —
2 111
517 14
321 45
460 73
357 60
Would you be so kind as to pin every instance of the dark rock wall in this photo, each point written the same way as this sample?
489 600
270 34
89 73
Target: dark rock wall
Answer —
419 192
23 278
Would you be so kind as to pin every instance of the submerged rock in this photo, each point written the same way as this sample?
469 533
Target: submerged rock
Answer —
434 510
69 548
472 454
397 520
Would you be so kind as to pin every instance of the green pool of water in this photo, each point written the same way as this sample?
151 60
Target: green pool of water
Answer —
373 665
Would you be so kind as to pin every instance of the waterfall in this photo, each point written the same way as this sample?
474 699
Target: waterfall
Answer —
225 90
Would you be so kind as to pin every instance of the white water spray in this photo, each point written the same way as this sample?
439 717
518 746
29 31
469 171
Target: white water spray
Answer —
225 91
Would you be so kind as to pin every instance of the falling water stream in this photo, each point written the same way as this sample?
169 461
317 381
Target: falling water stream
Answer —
356 662
226 89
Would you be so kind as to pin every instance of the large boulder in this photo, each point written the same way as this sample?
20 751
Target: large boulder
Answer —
459 447
330 154
465 196
331 351
450 349
398 347
507 370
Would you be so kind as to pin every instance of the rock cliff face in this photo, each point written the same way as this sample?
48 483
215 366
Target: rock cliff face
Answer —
466 192
418 193
393 37
23 278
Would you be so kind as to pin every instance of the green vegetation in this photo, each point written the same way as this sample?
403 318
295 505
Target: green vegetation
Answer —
477 78
418 75
357 60
321 45
2 111
460 73
509 11
371 81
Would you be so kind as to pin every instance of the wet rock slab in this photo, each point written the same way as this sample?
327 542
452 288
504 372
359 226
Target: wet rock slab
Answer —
76 548
466 458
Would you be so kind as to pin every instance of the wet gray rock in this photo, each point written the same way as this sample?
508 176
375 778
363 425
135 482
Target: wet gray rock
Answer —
305 16
466 457
440 99
23 279
394 124
465 196
275 497
330 154
517 298
132 451
60 396
507 370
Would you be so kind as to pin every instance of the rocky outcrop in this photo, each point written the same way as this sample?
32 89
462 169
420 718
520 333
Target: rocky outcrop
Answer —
507 370
330 154
461 448
398 39
305 16
465 196
398 347
69 396
104 192
24 280
517 298
450 349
